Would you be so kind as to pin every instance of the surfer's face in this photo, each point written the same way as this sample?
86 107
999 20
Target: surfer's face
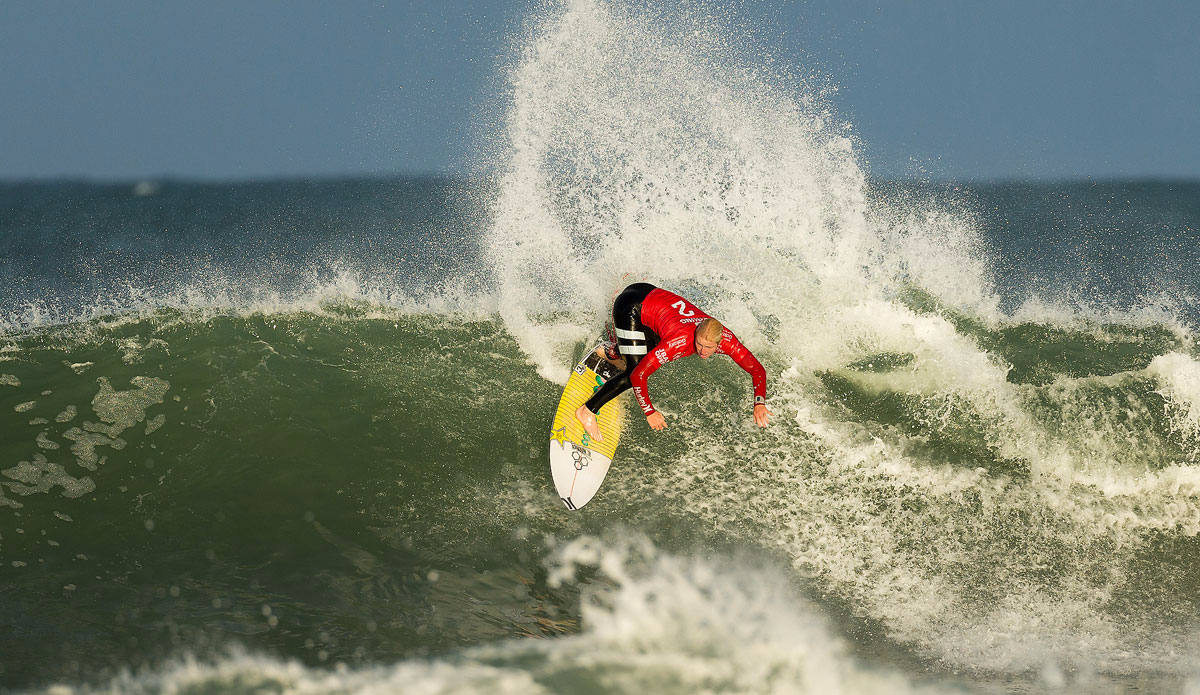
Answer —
705 348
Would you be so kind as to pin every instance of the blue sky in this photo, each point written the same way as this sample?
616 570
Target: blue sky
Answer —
130 89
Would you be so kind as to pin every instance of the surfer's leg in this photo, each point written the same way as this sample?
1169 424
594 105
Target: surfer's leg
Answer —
633 341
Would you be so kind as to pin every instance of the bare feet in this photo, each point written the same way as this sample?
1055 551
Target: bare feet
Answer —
588 418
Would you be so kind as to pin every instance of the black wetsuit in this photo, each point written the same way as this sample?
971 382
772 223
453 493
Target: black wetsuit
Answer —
634 340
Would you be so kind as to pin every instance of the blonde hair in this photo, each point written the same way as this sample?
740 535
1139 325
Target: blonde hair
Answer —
710 329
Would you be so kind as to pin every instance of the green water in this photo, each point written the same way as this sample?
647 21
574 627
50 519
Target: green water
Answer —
309 469
357 485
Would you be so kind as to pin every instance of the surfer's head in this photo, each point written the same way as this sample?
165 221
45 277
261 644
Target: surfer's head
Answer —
708 337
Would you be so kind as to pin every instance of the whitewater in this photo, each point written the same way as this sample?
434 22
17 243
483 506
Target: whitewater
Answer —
291 436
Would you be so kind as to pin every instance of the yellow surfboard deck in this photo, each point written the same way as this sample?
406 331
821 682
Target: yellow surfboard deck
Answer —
578 462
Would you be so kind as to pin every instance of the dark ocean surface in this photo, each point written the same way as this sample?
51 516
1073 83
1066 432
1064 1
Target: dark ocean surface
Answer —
341 489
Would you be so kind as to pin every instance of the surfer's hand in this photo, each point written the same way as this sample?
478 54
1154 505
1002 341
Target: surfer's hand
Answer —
656 420
761 415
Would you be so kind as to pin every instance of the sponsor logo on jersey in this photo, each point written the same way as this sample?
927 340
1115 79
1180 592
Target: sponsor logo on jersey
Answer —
641 399
661 354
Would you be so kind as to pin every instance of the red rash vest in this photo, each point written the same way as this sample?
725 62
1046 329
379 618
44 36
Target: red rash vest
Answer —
674 319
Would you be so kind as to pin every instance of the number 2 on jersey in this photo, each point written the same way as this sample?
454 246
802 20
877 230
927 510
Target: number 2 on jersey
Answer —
683 310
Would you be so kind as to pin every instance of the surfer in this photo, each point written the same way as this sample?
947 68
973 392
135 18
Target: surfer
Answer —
654 327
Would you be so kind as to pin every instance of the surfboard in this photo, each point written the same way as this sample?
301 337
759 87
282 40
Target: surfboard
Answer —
578 463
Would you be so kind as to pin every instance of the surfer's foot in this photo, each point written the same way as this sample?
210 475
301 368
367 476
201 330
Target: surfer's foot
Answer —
588 418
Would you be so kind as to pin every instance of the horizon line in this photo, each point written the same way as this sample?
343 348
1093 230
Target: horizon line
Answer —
329 177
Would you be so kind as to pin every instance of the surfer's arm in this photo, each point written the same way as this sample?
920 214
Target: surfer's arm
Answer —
745 359
637 380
